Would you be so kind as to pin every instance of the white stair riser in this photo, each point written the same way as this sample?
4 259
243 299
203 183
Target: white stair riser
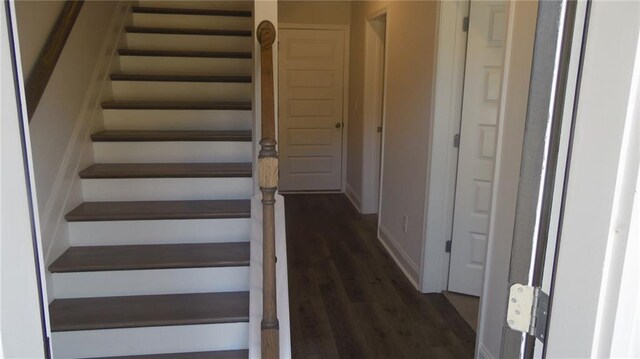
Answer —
193 21
140 41
168 152
185 65
177 120
154 189
199 4
150 340
177 91
157 281
105 233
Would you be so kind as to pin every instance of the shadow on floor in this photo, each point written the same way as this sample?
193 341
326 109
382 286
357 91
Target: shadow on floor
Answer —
348 299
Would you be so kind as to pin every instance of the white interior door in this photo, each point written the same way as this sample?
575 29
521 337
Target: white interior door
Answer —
476 158
311 85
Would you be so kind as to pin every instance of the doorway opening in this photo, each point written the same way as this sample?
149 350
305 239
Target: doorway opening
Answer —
374 109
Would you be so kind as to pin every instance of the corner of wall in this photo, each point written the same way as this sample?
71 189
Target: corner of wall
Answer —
402 259
355 199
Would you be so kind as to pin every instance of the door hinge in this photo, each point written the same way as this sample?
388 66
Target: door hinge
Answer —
456 140
447 247
465 24
528 310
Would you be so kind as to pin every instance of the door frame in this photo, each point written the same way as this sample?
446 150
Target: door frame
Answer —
345 91
593 260
372 156
441 170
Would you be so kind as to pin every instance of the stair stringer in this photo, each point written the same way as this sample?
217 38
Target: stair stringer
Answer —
66 189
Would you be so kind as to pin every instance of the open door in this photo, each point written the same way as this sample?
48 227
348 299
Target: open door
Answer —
477 145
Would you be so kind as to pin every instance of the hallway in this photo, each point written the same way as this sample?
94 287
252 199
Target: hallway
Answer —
348 299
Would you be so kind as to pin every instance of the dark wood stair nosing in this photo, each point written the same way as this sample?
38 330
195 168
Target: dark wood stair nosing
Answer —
171 136
167 170
76 314
185 31
180 78
176 105
152 256
159 210
178 53
187 11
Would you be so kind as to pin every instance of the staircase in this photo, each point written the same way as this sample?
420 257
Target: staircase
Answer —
159 260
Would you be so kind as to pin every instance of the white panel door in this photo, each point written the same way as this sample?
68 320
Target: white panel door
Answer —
311 79
476 158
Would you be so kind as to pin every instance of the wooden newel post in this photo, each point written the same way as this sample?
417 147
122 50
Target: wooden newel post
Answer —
268 182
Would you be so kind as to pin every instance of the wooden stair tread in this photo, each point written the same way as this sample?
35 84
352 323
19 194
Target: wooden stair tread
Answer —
167 170
179 78
175 31
157 256
225 354
175 105
148 311
176 135
177 53
152 210
183 11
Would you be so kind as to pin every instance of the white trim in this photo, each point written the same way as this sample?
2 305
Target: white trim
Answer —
600 189
443 162
402 259
79 146
354 198
345 85
372 156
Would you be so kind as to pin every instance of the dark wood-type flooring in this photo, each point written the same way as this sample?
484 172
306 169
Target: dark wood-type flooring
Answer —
348 299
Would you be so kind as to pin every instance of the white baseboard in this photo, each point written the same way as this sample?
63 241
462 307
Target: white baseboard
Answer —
354 198
483 353
401 257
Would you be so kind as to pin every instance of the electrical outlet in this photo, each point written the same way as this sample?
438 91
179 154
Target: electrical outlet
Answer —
405 223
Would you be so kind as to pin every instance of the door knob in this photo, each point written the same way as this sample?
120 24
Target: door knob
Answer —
379 129
338 125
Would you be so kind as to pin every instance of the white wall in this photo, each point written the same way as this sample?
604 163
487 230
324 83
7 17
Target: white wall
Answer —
37 20
21 334
411 36
70 104
521 30
314 12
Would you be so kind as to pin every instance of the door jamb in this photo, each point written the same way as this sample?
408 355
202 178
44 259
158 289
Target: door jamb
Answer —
345 89
447 112
372 162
